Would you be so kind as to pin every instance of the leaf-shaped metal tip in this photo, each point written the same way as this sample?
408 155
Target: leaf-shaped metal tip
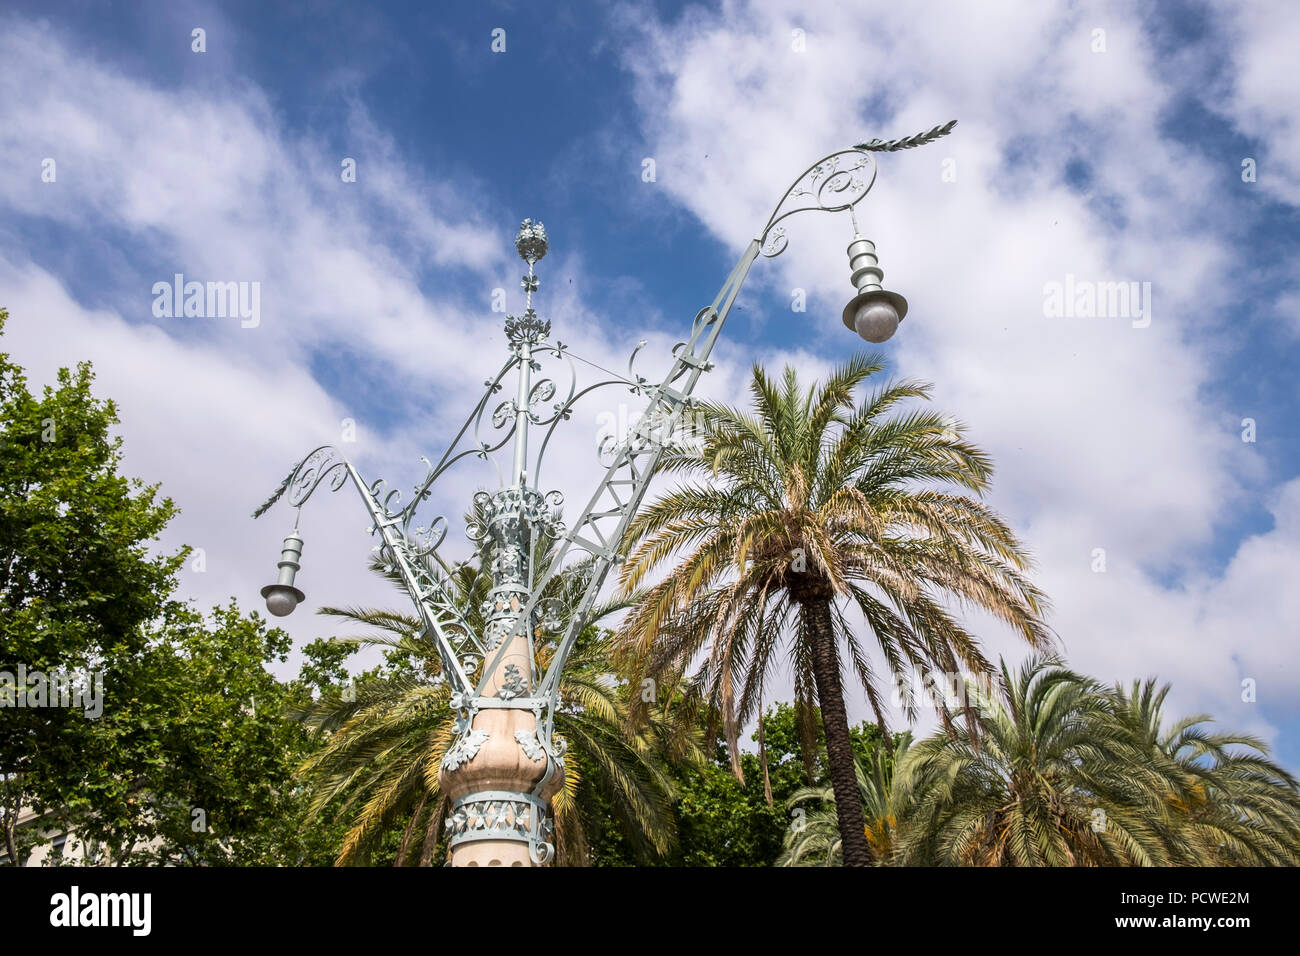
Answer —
908 142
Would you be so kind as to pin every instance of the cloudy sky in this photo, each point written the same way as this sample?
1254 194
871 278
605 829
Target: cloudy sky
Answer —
1097 143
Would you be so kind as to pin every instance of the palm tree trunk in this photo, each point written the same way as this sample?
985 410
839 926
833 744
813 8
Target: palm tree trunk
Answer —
835 722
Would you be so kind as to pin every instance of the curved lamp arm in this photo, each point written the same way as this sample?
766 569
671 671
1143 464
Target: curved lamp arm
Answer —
444 622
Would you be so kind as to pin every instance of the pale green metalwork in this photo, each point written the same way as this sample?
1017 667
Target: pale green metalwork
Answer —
507 522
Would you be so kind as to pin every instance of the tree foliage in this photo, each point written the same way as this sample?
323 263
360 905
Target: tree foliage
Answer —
78 587
190 759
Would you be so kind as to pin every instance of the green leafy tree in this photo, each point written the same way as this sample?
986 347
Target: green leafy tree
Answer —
724 821
77 587
189 758
797 510
205 753
1064 772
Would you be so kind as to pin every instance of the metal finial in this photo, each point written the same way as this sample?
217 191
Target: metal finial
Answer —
531 245
531 241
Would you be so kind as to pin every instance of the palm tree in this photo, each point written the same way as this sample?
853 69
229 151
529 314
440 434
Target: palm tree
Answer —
1050 779
790 514
384 742
886 795
1232 805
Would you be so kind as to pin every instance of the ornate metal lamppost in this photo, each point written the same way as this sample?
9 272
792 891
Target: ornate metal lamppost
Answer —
505 765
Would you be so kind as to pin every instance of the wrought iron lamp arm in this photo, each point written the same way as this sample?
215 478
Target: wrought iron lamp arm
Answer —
444 622
482 449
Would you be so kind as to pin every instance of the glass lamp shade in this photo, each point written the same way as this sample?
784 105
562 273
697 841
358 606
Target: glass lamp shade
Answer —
875 315
281 599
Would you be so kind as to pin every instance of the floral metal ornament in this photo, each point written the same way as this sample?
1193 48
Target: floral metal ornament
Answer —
465 749
531 242
529 744
526 328
514 685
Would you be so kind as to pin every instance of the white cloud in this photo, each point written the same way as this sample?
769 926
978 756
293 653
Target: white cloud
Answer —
215 433
206 184
1259 97
1102 431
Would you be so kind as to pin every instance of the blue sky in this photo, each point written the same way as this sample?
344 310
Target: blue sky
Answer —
1111 161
